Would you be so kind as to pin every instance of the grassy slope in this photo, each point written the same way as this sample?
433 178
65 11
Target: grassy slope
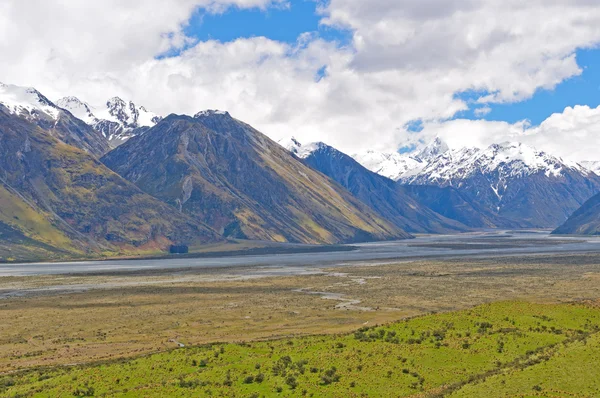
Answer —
27 234
433 355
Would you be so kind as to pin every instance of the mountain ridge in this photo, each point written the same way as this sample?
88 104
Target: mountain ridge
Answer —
379 192
227 174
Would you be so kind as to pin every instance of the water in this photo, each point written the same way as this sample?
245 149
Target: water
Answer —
496 243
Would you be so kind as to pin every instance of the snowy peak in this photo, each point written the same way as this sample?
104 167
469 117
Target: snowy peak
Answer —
432 150
591 165
523 160
504 161
291 144
302 151
306 150
128 114
78 108
389 164
211 112
117 119
398 166
28 102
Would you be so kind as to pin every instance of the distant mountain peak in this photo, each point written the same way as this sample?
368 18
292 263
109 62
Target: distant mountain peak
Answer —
392 165
432 150
117 120
500 162
27 101
211 112
291 144
303 151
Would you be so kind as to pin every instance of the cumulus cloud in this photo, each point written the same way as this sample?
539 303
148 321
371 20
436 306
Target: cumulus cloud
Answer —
573 134
407 61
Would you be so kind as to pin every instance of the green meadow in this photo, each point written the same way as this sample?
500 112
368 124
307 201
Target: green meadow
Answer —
493 350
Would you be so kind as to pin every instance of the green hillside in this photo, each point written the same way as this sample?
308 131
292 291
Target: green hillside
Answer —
511 347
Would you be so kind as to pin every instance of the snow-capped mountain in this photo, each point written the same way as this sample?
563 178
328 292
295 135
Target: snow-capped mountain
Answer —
291 144
512 180
31 105
116 120
591 165
302 151
380 193
397 166
389 164
27 102
502 161
507 185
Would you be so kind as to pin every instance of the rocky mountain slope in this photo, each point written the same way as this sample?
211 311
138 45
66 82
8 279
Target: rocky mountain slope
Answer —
116 120
584 221
505 185
227 174
31 105
513 181
380 193
57 198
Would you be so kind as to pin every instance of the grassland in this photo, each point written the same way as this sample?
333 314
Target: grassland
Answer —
460 352
127 327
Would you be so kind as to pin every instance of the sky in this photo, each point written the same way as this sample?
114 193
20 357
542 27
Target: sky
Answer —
383 75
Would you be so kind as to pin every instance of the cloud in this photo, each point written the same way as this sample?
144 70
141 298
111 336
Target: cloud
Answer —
407 61
573 134
482 111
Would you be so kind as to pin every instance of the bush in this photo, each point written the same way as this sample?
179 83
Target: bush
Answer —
330 376
84 391
291 382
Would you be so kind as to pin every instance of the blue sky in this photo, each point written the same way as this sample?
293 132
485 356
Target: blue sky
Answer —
283 24
286 24
579 90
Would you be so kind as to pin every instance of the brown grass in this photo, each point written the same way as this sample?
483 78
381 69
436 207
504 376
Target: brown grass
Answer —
75 319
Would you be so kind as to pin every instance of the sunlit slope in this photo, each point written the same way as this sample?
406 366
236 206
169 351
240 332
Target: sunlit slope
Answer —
230 176
70 200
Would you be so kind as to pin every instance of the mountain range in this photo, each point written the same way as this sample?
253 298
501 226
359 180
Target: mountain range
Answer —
116 120
389 199
78 180
511 184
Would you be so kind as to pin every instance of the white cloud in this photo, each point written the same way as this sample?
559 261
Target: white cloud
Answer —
573 134
482 111
407 61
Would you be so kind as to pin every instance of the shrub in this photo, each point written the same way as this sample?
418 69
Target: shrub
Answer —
291 382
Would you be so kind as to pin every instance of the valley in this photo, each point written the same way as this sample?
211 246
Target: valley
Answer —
303 271
110 320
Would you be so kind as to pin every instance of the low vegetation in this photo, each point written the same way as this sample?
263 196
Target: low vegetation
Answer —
526 349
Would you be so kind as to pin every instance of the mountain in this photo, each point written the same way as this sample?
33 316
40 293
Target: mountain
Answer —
395 165
512 181
456 205
31 105
584 221
591 165
380 193
227 174
57 198
116 120
389 164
